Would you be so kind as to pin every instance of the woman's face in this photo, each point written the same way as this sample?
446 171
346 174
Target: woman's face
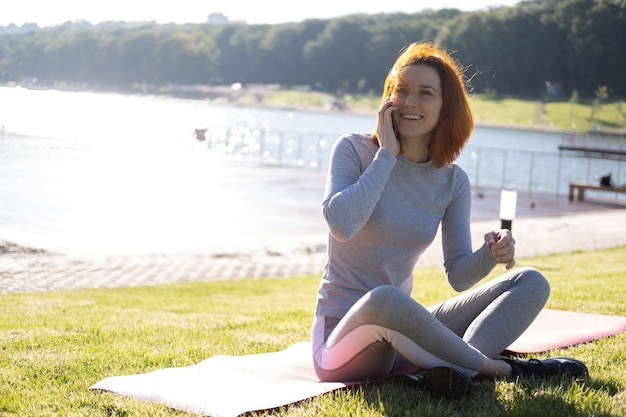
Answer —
418 99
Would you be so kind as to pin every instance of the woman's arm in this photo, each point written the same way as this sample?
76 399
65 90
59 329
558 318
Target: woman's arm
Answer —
464 267
352 193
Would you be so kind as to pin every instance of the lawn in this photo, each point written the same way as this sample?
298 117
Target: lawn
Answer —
554 114
487 109
55 345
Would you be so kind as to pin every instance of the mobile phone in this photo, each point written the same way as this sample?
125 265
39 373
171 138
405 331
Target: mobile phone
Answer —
393 123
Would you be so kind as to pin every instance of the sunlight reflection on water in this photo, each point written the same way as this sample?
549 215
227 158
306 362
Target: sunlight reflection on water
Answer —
120 174
95 173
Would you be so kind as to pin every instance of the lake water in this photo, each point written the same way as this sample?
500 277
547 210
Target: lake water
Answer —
108 174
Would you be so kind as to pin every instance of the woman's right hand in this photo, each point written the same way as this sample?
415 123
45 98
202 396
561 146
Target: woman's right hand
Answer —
384 128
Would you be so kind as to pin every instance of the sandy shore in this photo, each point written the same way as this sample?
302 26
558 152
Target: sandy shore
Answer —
271 226
546 224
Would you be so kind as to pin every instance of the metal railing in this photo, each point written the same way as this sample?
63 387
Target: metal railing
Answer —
544 172
532 171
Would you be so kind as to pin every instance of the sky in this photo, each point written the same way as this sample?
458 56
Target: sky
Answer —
54 12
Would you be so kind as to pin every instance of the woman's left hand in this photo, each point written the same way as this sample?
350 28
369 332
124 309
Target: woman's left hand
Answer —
502 247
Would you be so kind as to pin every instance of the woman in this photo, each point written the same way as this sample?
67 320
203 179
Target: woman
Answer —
385 198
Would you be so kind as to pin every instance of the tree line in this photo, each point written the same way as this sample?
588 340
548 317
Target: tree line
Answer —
538 47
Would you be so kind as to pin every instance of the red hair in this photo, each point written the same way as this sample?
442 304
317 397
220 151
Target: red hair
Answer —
455 123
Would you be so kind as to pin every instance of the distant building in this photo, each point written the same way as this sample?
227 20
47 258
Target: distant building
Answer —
218 18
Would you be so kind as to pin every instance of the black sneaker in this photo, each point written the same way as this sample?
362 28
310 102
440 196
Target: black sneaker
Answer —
558 365
441 381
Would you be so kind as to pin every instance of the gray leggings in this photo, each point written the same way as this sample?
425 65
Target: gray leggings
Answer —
387 328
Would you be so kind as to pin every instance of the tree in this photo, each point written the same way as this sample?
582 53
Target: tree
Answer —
137 50
282 49
338 53
185 58
596 40
578 44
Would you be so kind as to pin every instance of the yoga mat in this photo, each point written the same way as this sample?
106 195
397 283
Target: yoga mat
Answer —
553 329
227 386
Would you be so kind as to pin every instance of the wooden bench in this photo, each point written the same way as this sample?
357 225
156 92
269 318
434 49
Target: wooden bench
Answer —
582 186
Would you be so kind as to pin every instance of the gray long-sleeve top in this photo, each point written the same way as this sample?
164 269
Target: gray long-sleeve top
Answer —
383 211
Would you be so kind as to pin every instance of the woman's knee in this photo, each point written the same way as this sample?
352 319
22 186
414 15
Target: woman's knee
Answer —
384 298
534 281
386 294
389 307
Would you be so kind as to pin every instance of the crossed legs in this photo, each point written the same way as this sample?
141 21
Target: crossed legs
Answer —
387 327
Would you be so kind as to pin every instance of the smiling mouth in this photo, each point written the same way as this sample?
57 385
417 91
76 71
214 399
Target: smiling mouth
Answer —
412 117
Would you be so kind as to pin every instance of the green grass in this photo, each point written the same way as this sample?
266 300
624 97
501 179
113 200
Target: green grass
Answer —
505 111
287 99
296 98
553 114
55 345
487 109
611 116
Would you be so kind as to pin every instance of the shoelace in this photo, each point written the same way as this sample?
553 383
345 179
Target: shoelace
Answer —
532 367
534 363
